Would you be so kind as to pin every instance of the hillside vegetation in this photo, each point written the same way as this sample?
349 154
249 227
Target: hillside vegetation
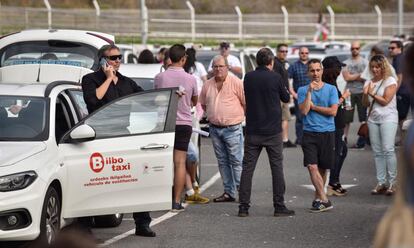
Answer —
227 6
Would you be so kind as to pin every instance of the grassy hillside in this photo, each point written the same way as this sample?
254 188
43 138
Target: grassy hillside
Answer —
220 6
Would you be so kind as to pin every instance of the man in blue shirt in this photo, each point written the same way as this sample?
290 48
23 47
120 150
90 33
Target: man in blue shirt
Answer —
318 102
298 71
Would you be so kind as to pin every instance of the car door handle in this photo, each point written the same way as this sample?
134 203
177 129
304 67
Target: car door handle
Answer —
154 147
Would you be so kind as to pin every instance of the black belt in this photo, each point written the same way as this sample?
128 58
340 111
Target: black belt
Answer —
217 126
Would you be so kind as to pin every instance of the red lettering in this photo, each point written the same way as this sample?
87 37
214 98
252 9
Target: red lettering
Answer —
96 162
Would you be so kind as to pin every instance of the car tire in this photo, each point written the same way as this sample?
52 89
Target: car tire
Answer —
112 220
50 218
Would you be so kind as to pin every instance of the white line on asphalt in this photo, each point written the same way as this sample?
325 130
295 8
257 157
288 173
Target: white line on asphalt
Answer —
162 218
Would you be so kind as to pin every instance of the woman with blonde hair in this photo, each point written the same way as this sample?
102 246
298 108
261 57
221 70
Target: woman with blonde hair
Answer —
379 95
397 227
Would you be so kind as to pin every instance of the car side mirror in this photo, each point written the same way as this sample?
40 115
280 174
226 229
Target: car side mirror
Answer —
82 133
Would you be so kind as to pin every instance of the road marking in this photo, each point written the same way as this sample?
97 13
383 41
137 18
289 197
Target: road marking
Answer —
162 218
345 186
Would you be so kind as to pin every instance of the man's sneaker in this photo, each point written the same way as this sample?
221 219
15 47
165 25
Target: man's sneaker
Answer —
336 190
379 189
321 206
288 144
283 211
196 199
196 189
357 147
391 190
177 207
224 198
243 211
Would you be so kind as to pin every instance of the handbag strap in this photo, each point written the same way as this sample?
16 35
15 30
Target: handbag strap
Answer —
373 100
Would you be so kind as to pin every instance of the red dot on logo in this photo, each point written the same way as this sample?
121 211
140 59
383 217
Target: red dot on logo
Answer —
96 162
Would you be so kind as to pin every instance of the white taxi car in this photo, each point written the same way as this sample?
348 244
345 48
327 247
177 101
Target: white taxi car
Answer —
57 163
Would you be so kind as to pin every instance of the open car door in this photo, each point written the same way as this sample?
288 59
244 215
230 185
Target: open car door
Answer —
120 158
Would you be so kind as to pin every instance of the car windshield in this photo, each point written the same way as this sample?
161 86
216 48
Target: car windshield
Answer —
23 118
49 52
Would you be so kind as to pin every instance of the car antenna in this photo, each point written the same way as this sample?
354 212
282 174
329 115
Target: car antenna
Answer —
38 72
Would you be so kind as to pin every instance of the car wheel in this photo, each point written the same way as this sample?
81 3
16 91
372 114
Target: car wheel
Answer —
50 219
112 220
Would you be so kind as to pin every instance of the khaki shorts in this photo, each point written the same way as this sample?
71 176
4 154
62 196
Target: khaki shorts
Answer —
285 111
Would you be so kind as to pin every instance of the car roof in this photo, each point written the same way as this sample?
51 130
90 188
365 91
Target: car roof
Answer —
96 39
29 88
140 70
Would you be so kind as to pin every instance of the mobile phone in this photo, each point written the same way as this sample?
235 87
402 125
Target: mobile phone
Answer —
103 62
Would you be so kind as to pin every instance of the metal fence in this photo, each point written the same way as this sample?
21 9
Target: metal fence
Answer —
186 24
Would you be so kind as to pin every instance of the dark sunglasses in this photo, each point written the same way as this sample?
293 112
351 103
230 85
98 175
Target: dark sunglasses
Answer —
304 53
391 48
283 51
115 57
354 48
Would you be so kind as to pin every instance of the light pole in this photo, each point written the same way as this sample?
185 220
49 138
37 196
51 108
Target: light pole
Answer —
400 16
144 23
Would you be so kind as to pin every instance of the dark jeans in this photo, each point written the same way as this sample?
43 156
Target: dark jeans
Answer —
298 123
142 219
341 150
252 147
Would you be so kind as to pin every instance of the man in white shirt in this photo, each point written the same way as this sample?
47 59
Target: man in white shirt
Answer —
234 65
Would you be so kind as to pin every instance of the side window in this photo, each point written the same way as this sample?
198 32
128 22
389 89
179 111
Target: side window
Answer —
136 114
247 64
79 102
63 120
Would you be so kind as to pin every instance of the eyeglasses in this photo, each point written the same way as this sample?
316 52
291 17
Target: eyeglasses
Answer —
115 57
392 48
354 48
304 53
216 67
283 51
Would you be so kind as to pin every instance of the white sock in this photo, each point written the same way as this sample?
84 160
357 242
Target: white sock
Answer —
285 140
195 184
190 192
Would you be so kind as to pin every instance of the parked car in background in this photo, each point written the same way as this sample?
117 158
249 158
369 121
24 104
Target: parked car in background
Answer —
142 74
129 55
205 57
61 164
319 47
383 45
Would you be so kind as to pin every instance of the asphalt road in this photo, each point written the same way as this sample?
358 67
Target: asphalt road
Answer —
351 223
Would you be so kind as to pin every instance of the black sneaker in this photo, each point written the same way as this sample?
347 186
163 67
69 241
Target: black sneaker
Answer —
243 211
288 144
283 211
177 207
357 147
321 206
336 190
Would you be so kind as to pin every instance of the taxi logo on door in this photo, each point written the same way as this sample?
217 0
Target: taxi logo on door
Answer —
97 162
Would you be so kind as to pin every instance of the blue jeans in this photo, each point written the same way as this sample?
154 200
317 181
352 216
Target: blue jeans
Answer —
298 123
382 138
228 147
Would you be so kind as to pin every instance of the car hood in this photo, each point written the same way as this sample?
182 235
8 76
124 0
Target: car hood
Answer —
13 152
44 73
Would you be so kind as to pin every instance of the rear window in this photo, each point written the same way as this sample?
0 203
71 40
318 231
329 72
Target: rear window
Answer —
49 52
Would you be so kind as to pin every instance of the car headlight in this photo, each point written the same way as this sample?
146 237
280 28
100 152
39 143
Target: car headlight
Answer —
17 181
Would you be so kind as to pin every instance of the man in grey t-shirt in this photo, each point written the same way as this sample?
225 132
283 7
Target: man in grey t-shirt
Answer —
352 74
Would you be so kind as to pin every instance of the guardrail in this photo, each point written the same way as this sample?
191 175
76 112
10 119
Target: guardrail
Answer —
186 24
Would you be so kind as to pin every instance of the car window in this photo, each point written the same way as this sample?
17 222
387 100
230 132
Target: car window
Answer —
49 52
23 118
145 83
136 114
248 64
79 102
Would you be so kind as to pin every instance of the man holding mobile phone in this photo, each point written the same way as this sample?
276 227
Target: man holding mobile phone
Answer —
103 86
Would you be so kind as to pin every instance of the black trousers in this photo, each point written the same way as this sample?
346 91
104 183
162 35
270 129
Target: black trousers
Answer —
253 146
142 219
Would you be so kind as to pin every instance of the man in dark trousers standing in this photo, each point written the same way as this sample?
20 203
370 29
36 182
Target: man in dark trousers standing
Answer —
264 90
104 86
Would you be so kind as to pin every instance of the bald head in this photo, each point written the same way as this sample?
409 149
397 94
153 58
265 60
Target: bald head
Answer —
355 49
304 54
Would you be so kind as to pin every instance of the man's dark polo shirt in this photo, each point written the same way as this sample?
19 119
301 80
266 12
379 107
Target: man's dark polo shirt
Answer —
92 81
264 90
279 67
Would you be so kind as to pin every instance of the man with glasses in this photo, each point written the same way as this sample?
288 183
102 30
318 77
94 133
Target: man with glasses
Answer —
234 65
403 94
106 85
355 66
222 97
281 66
298 71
